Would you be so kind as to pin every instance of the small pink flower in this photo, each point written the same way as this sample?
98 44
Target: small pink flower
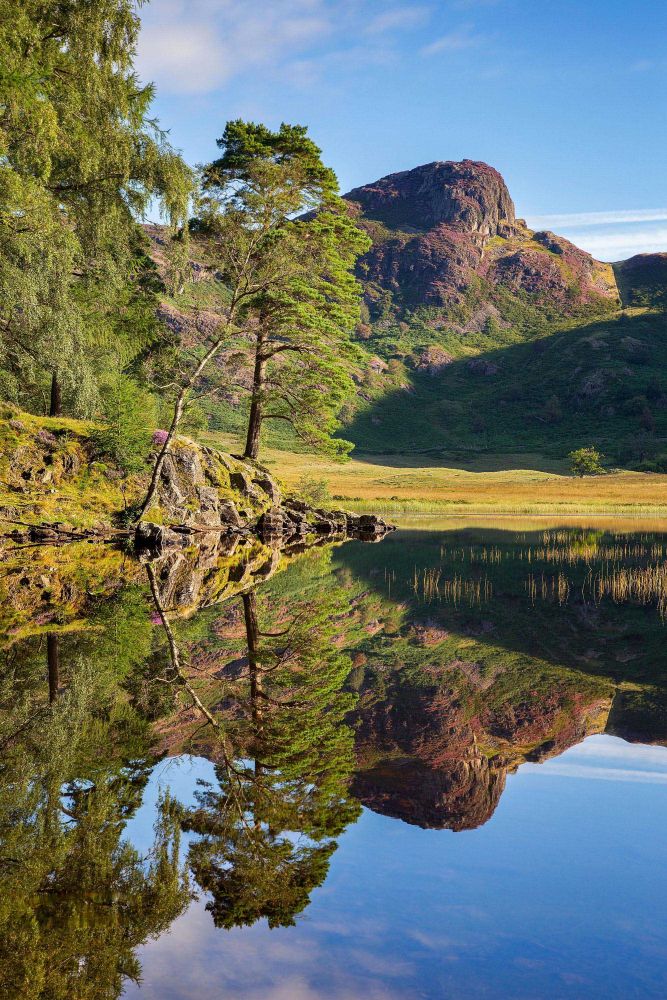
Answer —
159 437
155 619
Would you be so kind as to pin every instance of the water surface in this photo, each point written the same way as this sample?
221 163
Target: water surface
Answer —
430 767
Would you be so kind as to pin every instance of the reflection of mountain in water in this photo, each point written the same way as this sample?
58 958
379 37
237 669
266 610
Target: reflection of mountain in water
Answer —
477 672
426 759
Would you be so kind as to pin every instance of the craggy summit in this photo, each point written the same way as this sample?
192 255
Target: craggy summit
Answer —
470 196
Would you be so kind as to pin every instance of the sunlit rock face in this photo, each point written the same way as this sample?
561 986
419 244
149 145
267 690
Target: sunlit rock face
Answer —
447 231
206 488
469 196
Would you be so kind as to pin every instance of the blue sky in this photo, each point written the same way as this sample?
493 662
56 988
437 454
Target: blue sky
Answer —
567 98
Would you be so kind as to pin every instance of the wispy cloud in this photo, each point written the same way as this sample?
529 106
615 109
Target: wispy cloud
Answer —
196 47
468 4
611 218
618 245
608 758
454 41
397 17
611 235
565 770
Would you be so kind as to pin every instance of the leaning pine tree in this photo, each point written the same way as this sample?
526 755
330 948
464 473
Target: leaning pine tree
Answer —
281 241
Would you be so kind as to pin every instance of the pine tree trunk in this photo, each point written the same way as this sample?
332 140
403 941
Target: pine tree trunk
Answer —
255 419
55 408
254 668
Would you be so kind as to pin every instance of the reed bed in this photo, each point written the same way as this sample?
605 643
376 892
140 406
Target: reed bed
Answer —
643 585
621 569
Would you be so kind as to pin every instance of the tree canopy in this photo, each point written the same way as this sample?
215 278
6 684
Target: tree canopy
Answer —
282 245
80 160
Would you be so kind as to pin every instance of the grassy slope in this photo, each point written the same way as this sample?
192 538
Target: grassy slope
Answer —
48 473
541 383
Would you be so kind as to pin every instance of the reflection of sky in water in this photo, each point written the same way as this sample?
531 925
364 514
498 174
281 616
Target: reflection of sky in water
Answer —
561 894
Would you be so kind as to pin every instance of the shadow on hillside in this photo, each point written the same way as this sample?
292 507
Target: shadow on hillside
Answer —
528 405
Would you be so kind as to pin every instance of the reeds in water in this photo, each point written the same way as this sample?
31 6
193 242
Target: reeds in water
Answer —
430 586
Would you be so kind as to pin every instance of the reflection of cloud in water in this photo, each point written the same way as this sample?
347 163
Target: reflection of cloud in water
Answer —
284 964
605 758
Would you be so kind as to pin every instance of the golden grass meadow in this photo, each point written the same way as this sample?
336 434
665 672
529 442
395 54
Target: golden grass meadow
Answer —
503 484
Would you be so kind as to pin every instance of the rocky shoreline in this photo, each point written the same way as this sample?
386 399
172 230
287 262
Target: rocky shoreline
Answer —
204 490
291 524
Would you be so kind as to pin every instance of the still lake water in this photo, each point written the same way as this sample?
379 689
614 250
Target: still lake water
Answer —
431 767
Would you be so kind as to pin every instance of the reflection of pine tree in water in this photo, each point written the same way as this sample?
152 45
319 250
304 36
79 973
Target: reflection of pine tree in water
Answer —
75 899
266 832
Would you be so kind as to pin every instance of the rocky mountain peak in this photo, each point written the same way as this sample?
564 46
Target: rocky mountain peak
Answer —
469 196
445 234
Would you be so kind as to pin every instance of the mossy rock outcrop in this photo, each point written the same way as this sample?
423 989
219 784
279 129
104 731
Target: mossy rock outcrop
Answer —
50 473
203 488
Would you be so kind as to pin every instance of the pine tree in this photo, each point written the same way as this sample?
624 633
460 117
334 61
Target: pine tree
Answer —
284 247
295 758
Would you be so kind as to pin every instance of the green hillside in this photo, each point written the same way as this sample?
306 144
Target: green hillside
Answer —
586 381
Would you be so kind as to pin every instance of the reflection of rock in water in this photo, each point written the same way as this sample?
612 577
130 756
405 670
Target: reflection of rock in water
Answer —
217 567
194 577
460 795
428 758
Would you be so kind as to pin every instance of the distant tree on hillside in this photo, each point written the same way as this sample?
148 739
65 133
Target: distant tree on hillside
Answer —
586 462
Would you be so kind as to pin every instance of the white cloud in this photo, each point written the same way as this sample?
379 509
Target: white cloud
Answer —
599 773
612 235
608 758
608 747
619 245
194 958
194 47
309 72
187 58
453 41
